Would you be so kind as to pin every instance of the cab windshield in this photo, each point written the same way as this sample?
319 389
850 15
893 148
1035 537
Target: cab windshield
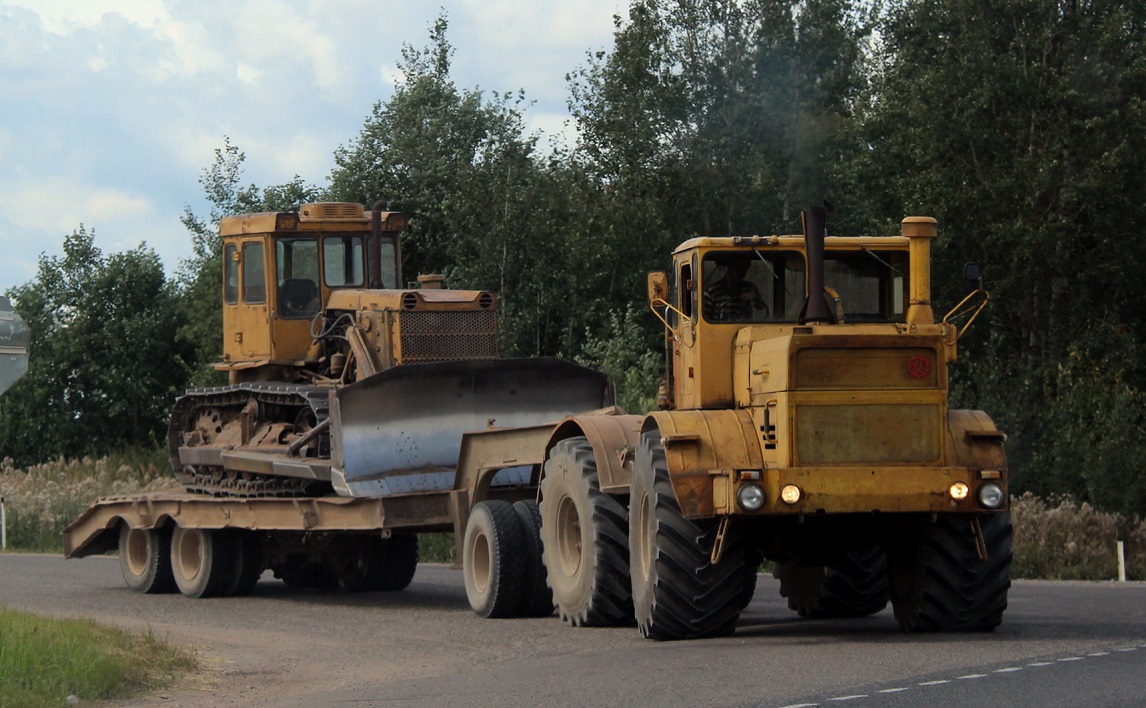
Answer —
745 287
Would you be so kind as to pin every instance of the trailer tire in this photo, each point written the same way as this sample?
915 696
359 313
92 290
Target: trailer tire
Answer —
491 559
584 540
537 598
202 561
307 576
939 584
249 567
145 559
399 562
677 591
855 586
366 561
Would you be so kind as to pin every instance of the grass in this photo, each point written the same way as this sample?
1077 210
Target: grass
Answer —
44 661
1054 538
42 500
1059 539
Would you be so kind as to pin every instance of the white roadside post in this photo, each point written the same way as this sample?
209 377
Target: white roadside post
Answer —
3 527
1121 562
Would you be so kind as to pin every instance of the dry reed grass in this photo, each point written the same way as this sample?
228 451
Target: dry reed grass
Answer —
42 500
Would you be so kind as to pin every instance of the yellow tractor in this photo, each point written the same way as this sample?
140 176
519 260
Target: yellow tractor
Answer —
804 420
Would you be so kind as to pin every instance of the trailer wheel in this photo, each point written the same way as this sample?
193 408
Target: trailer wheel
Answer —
249 566
201 561
855 586
537 599
677 592
400 562
938 583
145 559
366 558
491 559
584 542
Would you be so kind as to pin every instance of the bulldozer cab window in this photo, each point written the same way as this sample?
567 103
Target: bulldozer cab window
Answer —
872 285
231 275
254 275
388 264
296 262
342 264
752 286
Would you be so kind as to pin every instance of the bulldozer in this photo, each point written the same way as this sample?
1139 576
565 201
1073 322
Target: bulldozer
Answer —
320 335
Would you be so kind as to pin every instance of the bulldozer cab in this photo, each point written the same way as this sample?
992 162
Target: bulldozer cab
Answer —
279 270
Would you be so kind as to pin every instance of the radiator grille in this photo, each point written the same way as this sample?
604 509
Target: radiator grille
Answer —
429 336
863 434
859 368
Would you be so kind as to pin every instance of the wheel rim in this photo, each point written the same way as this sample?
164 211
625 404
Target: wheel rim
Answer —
645 538
188 547
569 547
480 566
136 552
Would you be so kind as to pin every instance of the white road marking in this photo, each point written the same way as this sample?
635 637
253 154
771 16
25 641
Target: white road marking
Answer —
1042 663
896 690
1070 658
1100 653
1008 670
972 676
848 698
933 683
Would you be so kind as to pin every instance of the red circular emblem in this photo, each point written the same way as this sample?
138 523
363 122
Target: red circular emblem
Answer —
918 367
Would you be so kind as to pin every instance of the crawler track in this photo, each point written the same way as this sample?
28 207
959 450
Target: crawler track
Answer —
262 417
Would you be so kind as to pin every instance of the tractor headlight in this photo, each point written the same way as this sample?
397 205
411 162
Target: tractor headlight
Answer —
790 494
750 497
959 491
991 495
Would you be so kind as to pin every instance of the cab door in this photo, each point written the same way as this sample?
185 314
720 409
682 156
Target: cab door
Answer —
246 314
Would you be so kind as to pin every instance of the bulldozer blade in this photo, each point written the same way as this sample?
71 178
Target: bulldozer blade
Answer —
400 430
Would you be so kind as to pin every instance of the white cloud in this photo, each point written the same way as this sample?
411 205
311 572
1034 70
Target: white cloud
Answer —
113 108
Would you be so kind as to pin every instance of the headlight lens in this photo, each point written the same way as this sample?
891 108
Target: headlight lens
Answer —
959 491
991 495
750 497
790 494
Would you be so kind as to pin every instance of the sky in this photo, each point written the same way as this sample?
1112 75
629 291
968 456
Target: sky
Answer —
110 110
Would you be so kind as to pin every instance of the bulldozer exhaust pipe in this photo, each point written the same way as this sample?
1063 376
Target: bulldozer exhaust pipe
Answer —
815 306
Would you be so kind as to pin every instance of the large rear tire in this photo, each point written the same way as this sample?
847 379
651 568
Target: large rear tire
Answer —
939 584
855 586
145 559
584 540
537 598
491 559
677 592
202 562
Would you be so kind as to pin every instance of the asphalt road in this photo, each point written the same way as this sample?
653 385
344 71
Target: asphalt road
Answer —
1060 644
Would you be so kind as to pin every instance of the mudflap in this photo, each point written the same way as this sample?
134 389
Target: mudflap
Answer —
400 431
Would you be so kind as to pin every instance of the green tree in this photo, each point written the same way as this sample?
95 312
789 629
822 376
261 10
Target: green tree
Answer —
105 362
1021 127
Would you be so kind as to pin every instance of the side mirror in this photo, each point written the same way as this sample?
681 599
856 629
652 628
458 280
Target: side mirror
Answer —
972 277
658 287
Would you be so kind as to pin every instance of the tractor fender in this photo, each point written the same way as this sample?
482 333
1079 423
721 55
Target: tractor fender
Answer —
614 441
699 444
974 441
